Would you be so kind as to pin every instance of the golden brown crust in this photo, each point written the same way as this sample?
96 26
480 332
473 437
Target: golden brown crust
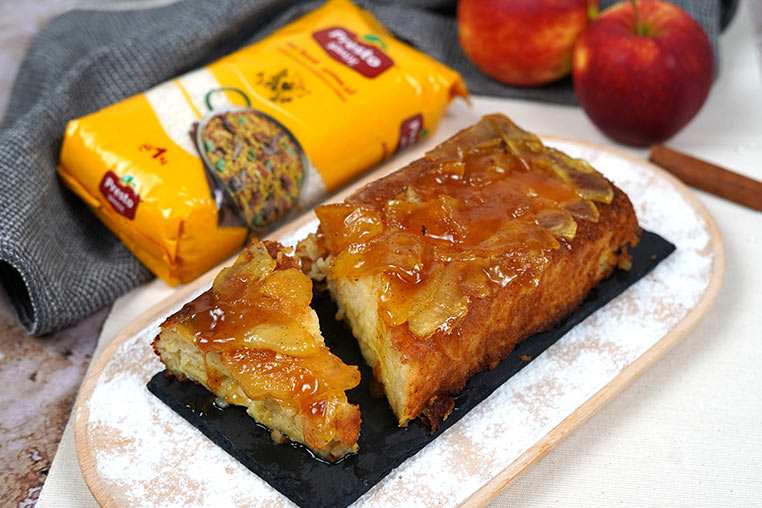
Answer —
512 183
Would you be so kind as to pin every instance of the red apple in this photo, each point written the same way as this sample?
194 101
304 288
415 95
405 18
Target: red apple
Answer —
522 42
642 74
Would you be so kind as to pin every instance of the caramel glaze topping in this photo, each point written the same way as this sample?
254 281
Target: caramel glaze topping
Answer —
479 212
258 320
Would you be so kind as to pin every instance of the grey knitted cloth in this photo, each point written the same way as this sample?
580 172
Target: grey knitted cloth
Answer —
58 263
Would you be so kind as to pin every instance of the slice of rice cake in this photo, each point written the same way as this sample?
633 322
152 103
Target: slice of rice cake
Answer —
442 267
253 340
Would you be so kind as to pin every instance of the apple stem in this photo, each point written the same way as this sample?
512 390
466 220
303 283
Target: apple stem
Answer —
638 26
592 9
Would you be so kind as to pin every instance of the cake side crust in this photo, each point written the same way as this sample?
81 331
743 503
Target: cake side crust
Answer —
444 265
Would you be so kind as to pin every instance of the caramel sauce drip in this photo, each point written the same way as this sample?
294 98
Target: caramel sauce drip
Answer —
258 320
479 212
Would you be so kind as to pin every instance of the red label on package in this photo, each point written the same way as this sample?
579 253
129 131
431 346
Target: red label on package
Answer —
343 46
410 131
122 198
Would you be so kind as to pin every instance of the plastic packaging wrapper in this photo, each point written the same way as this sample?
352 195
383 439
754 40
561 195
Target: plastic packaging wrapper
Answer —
185 171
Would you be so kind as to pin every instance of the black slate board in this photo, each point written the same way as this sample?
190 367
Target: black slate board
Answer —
292 470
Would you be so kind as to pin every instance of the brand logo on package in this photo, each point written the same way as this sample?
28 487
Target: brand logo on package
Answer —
343 45
122 198
410 131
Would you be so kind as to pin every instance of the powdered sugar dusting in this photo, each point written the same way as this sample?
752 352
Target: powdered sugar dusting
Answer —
147 455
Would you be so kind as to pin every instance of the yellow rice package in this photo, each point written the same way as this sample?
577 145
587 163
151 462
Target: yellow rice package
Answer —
185 171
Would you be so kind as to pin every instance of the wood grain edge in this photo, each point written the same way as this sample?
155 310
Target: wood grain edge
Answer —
490 490
182 294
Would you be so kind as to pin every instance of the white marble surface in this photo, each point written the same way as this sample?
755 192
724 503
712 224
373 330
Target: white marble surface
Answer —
20 20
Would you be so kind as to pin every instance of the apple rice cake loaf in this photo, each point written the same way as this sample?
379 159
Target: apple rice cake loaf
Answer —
253 340
442 267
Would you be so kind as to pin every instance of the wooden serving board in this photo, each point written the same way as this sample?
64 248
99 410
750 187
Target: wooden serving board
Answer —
134 451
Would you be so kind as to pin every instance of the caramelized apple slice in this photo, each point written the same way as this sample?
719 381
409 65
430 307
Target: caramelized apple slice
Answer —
557 222
313 386
252 264
588 183
351 224
433 304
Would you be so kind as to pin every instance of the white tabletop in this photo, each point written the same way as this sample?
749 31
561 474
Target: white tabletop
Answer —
689 431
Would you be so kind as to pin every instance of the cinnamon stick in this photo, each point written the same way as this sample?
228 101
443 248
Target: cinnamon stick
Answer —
709 177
